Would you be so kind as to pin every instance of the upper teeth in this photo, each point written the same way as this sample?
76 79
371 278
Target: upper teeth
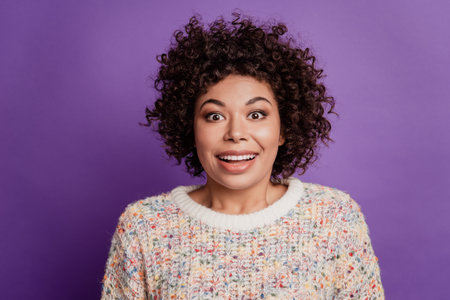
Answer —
237 157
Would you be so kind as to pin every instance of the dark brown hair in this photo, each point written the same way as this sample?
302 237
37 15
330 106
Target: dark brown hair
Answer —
201 56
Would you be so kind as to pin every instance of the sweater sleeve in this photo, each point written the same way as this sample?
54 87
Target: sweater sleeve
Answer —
357 270
124 273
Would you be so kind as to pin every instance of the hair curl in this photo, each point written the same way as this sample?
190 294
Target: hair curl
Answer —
200 57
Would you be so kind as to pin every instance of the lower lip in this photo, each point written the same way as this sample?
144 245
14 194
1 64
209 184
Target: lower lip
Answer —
237 167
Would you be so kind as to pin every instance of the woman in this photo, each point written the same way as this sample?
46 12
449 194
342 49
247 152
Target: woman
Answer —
243 106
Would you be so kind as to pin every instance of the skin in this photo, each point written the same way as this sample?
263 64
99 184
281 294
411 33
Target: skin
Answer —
238 113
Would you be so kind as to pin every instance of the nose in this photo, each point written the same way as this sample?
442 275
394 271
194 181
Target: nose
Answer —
236 130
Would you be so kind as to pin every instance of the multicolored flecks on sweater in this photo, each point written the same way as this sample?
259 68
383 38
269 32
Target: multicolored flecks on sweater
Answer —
312 243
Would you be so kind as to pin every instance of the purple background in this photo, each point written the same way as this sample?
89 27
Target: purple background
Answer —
73 83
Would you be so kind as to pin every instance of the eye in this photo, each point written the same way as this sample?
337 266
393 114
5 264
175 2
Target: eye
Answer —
214 117
257 115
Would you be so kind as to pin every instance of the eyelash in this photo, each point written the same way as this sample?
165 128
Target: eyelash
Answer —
208 116
263 113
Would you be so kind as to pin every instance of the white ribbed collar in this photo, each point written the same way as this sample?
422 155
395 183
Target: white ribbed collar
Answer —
250 221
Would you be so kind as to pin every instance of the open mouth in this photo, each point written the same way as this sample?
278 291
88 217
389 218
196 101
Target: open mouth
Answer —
236 158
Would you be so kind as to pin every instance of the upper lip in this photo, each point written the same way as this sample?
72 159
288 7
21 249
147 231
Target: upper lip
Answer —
234 152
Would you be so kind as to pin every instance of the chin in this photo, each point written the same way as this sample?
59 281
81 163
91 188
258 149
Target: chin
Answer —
238 182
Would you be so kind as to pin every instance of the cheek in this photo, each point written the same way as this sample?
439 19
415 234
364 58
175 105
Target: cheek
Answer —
204 140
268 136
203 143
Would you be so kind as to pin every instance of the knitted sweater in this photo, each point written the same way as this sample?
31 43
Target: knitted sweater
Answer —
312 243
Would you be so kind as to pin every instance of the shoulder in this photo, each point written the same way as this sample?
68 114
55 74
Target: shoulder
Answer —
149 205
331 203
147 213
326 196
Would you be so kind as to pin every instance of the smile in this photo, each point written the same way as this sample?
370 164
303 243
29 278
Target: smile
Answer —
236 164
227 158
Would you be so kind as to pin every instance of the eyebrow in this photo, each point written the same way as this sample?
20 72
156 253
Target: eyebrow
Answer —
220 103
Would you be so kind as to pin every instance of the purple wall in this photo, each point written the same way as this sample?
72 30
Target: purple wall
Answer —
73 87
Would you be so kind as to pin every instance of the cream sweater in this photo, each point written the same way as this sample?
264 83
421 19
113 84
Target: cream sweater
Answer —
312 243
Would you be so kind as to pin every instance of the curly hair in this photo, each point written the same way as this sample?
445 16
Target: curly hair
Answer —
201 56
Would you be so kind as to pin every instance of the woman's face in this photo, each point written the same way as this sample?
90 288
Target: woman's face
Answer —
237 131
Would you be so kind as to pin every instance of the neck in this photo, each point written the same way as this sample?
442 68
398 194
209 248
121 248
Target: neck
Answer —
243 201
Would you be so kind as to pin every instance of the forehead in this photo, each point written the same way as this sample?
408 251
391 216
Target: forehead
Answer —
236 89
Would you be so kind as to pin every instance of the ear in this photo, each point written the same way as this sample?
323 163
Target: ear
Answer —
281 140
